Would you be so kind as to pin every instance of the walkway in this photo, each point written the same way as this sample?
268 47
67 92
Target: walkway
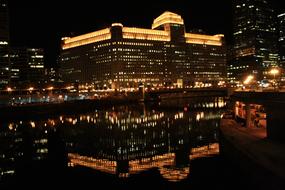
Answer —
253 143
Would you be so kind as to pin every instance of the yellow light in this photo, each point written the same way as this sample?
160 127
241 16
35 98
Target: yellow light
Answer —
215 40
69 87
33 124
167 18
85 39
274 71
144 31
31 89
117 24
248 79
204 37
145 34
50 88
9 89
89 35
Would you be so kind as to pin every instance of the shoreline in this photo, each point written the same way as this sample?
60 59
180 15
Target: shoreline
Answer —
261 159
68 107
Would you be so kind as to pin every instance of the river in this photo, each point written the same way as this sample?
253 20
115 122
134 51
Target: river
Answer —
171 144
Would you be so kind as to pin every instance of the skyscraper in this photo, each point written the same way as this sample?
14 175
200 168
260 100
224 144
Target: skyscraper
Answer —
4 44
36 65
165 55
281 19
27 66
255 39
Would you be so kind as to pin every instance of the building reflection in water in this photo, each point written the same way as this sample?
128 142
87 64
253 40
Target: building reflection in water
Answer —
123 140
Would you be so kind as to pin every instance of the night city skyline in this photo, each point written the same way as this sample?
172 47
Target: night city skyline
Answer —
49 22
161 94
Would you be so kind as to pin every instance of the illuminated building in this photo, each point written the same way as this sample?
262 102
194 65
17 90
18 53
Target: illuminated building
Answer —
19 67
121 56
35 64
255 39
281 19
4 44
27 66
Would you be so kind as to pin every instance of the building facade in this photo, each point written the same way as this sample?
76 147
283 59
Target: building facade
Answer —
124 57
4 45
281 19
27 66
255 39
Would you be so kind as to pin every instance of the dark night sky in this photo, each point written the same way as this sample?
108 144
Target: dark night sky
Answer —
41 23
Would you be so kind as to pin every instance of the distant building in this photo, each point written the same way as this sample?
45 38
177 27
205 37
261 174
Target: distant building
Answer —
281 19
255 39
230 59
19 66
124 57
27 66
4 45
36 64
52 75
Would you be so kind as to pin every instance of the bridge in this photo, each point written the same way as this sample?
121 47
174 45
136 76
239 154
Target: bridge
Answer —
186 93
273 103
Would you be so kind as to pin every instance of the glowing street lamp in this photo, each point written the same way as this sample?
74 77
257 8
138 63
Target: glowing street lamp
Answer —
9 89
50 88
248 79
274 72
31 88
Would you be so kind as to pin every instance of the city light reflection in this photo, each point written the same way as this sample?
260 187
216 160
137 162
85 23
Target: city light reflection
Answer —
126 140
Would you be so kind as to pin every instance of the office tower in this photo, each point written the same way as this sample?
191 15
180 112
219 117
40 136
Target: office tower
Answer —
4 44
124 57
36 64
27 66
281 19
255 39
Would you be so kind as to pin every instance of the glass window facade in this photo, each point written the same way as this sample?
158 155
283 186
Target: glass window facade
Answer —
27 66
281 19
255 39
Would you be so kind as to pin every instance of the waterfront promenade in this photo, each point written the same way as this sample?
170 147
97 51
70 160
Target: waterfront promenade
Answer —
262 158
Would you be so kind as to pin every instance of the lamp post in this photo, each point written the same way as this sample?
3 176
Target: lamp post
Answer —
274 72
9 90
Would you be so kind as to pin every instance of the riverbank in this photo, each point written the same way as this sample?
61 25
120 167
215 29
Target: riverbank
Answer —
66 107
34 110
262 160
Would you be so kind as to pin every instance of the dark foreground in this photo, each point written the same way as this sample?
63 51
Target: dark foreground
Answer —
212 172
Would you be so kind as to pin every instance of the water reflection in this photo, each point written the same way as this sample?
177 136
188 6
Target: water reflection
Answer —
122 140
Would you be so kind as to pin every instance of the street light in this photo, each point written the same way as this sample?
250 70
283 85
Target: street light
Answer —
274 72
9 89
248 79
50 88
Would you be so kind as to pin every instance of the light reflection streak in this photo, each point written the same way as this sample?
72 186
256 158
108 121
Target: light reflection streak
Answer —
165 163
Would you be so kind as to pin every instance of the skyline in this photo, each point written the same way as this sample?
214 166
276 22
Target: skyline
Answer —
215 19
185 94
